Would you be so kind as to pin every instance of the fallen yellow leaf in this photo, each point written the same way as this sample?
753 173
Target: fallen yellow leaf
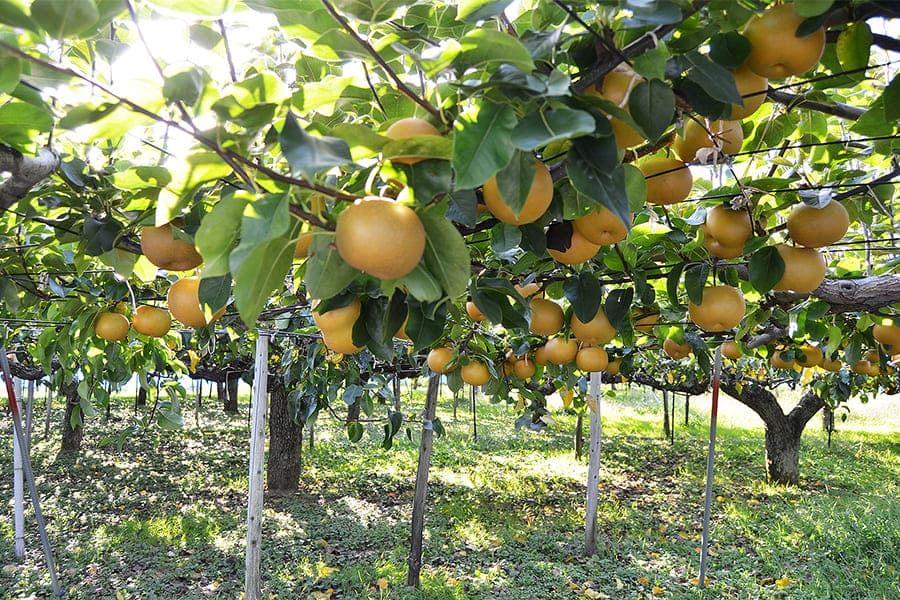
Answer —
382 583
658 591
784 582
644 580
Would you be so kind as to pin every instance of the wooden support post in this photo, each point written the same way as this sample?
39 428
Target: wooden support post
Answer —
421 489
29 413
593 478
252 583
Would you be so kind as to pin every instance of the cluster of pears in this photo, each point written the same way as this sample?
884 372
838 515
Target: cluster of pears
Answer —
113 325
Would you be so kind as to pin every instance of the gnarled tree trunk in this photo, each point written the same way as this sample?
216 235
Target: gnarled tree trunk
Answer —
783 431
71 434
285 441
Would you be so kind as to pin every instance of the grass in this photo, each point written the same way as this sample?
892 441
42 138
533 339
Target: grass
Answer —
163 517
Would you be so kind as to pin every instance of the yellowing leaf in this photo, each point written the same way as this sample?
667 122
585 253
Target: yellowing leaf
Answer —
195 358
784 582
644 580
658 591
324 571
519 538
382 583
326 595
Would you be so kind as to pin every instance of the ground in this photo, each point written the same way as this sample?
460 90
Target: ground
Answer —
163 517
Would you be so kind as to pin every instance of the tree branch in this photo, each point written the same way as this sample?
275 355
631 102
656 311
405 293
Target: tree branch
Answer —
25 172
402 87
868 294
809 405
646 42
844 111
754 396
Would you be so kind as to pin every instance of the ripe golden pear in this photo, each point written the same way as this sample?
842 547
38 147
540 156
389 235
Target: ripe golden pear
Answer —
776 51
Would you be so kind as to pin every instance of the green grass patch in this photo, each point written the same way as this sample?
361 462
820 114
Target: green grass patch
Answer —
164 517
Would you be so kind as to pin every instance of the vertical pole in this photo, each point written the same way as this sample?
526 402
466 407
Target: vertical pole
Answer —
49 409
397 406
18 484
707 499
421 489
257 450
19 438
687 408
474 419
593 479
29 412
666 425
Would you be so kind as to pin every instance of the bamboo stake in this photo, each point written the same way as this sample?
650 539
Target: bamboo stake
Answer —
27 472
707 500
593 478
257 466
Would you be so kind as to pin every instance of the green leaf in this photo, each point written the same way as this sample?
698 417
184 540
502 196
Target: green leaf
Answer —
22 124
588 164
214 292
544 127
185 86
471 11
652 106
355 431
425 322
10 71
308 154
100 235
326 272
64 18
498 300
363 142
514 181
482 143
219 232
369 11
420 284
729 49
505 240
483 47
618 307
541 43
695 281
853 47
635 189
715 79
812 8
13 13
369 329
446 252
585 294
200 9
652 64
766 269
261 261
420 146
428 179
891 100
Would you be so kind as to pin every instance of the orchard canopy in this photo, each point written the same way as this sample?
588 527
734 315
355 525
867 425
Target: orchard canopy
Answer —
537 188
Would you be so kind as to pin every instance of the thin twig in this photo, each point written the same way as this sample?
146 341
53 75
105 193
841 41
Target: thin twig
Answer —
232 159
594 33
372 88
232 71
402 87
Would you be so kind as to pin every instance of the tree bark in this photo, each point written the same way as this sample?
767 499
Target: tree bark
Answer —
667 427
285 441
230 401
783 431
71 434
